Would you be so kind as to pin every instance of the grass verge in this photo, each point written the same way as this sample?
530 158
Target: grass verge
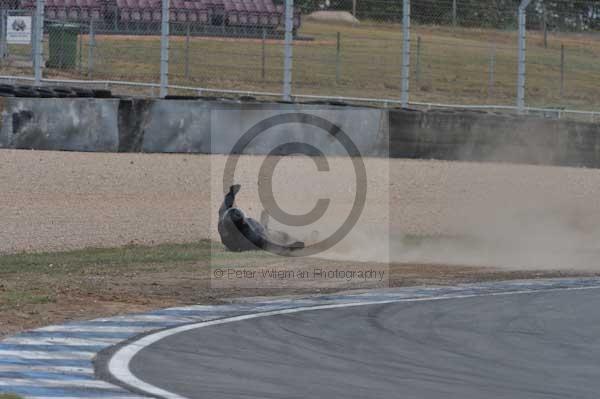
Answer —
38 289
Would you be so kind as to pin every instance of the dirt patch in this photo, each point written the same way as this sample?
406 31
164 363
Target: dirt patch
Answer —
514 217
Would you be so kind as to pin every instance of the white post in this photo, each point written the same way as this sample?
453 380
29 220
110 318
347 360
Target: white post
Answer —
91 46
288 47
453 12
522 55
405 53
38 34
3 29
164 50
492 70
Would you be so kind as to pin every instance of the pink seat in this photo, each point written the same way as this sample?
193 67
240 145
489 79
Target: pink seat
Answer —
203 17
84 11
217 7
263 14
121 8
145 10
72 10
252 12
48 7
124 13
190 6
178 7
231 12
207 6
82 5
61 11
273 15
156 7
241 12
134 10
94 9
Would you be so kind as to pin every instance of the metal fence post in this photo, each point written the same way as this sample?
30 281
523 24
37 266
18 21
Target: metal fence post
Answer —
80 57
338 58
492 70
187 51
263 55
418 66
38 58
164 50
545 24
522 56
453 12
91 47
287 57
562 70
405 52
3 44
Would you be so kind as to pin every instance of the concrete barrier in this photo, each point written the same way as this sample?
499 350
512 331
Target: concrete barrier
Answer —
76 124
480 136
214 126
285 123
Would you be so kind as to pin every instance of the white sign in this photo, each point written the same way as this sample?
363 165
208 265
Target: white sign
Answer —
18 29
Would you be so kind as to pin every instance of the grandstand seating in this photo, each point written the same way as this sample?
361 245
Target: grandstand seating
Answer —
241 13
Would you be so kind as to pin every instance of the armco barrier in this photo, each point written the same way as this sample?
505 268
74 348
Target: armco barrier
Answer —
213 126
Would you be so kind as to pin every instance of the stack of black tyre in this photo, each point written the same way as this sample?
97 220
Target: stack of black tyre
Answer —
7 90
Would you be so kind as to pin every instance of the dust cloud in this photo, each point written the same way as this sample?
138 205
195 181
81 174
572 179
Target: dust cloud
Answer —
463 213
416 211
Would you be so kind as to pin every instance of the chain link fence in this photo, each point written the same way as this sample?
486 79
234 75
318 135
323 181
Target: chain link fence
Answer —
465 52
562 54
448 52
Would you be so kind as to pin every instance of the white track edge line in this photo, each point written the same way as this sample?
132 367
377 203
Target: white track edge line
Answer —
118 366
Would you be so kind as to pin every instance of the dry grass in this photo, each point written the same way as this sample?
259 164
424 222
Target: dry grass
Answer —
48 288
453 64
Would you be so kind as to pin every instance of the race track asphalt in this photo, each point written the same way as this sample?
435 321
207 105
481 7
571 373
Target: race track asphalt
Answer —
537 345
